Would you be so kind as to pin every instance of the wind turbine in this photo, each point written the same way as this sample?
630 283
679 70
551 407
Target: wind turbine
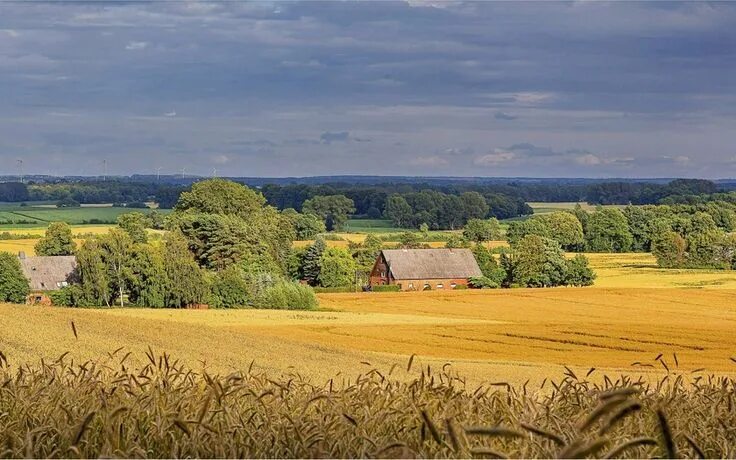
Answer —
104 169
158 174
20 168
214 172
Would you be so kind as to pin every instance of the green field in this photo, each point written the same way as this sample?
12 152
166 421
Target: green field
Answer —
39 216
545 208
370 226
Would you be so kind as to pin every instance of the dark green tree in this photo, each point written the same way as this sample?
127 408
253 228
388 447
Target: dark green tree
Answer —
333 209
399 211
147 276
313 261
608 231
58 241
13 284
229 289
578 272
220 196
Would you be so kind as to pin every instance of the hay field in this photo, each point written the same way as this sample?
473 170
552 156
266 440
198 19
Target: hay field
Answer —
510 335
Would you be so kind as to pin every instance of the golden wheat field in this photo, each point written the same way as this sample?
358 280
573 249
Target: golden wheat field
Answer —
510 335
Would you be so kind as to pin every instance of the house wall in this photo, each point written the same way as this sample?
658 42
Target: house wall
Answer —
38 298
418 285
380 274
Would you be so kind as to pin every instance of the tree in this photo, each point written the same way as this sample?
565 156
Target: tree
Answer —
58 241
578 273
337 268
13 284
229 289
479 230
333 209
539 262
134 224
147 276
565 228
608 231
116 248
185 281
488 265
93 274
312 261
308 226
533 226
220 196
399 211
670 250
474 206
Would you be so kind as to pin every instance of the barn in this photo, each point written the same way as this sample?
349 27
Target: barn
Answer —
47 273
423 269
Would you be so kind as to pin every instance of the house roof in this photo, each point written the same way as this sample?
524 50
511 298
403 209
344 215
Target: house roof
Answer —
46 273
421 264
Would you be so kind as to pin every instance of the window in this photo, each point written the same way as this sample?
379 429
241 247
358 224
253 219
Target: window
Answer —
383 274
411 285
440 286
62 284
452 285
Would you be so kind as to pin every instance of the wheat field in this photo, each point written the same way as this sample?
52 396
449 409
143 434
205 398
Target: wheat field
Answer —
511 335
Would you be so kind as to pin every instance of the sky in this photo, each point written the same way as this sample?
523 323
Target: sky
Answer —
578 89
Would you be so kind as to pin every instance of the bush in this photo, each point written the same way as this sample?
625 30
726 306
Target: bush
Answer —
482 282
69 296
229 289
460 287
287 295
386 288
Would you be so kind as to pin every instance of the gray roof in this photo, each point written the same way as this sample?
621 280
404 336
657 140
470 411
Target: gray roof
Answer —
419 264
47 273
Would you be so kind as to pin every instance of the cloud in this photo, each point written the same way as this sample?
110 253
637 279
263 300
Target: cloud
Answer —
220 159
504 116
431 161
381 78
533 155
133 46
496 158
329 137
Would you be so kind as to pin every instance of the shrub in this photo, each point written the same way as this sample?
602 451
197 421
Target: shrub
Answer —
229 289
460 287
69 296
287 295
386 288
481 282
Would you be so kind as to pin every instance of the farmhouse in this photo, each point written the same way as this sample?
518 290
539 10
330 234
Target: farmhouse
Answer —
47 273
422 269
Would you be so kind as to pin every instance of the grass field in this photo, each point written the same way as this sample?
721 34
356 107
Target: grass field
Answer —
544 208
36 216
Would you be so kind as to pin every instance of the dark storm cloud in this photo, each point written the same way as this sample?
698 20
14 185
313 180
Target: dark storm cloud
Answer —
610 88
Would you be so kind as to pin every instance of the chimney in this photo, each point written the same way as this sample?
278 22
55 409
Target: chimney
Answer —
21 255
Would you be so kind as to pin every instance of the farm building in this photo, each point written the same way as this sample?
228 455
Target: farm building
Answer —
47 273
422 269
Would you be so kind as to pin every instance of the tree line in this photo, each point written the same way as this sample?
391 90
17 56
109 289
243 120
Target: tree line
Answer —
680 236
